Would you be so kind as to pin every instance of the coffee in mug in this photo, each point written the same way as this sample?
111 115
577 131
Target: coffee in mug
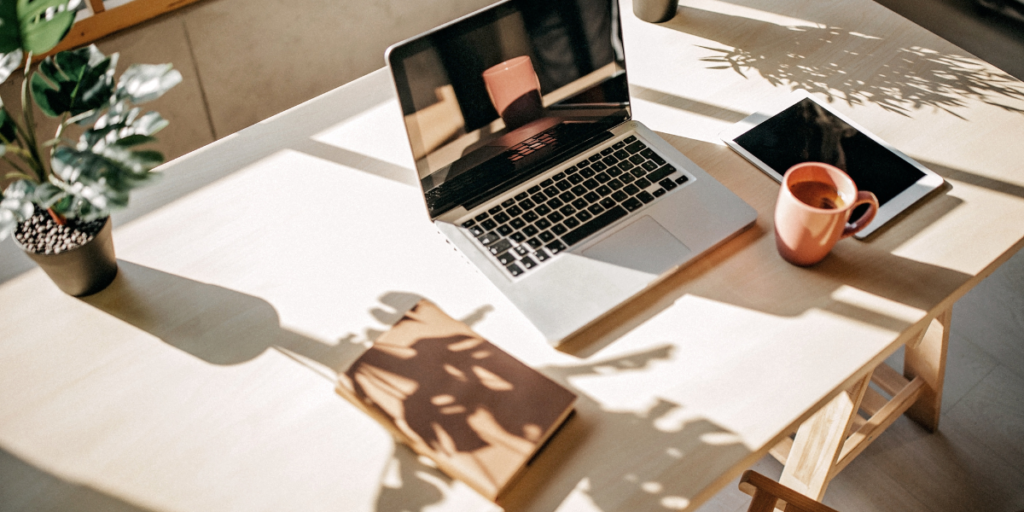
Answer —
818 194
813 210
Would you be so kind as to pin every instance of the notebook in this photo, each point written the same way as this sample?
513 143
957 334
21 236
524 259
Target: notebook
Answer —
452 396
530 163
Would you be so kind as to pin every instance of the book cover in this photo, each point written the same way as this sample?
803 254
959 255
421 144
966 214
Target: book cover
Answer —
476 411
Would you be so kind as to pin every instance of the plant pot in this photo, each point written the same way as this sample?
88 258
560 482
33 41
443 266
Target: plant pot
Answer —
655 11
84 270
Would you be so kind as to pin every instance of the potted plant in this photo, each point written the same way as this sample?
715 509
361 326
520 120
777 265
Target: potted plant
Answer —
60 190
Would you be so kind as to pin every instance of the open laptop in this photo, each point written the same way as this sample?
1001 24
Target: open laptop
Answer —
519 120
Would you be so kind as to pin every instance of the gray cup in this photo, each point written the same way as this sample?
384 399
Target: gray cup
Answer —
655 11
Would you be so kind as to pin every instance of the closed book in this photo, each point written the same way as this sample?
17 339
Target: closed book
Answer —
477 412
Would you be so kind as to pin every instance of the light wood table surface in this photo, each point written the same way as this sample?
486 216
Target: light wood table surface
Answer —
202 379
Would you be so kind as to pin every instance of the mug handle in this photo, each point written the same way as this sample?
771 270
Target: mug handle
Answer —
863 197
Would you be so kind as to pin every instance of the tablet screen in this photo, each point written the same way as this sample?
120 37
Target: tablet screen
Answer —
807 132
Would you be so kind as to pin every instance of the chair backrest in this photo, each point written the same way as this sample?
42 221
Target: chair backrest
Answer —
769 495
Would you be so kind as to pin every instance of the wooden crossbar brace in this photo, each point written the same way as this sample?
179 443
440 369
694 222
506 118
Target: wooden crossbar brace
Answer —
878 422
882 413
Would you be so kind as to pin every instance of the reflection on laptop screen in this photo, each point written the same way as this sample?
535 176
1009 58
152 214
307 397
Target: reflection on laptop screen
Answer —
495 98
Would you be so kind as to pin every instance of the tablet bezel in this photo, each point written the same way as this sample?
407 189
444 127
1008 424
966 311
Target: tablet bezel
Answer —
929 181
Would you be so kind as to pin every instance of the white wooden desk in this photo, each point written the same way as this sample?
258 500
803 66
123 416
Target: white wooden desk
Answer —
202 379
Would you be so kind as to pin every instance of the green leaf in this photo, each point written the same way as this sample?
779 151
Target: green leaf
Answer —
10 34
8 130
99 178
43 23
134 140
146 82
149 123
113 127
8 223
17 199
148 159
48 194
75 82
15 206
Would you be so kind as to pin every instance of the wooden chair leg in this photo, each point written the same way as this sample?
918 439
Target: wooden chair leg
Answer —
812 459
769 494
762 502
927 360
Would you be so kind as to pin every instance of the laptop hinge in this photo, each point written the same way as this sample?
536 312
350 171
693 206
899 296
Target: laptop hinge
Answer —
563 156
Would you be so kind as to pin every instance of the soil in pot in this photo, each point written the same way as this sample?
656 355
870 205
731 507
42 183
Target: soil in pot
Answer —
78 256
40 234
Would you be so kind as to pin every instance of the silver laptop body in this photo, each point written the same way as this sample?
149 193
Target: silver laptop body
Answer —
565 203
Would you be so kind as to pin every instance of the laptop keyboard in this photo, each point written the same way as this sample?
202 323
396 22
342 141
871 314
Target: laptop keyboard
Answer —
527 229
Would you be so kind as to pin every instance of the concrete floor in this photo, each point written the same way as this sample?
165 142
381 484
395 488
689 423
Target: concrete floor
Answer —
246 60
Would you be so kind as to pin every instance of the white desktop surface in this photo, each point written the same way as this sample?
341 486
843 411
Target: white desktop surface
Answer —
202 379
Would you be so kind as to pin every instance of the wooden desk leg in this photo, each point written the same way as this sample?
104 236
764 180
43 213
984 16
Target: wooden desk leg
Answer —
812 460
927 360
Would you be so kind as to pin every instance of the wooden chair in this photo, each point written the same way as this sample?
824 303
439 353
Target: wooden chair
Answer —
770 495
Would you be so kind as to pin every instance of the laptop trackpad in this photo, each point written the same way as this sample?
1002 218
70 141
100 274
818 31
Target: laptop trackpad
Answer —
643 245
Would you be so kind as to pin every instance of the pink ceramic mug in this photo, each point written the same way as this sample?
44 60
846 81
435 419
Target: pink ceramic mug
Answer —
514 91
814 206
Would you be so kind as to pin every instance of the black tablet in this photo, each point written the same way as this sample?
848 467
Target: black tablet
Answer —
808 131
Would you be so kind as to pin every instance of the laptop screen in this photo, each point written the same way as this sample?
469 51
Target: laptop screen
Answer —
495 98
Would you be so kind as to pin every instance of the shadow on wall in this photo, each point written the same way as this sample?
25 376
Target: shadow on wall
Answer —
905 80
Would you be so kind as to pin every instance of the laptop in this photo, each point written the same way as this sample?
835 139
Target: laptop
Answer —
519 120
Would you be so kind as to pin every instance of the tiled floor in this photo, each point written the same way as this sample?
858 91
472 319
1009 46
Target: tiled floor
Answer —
246 60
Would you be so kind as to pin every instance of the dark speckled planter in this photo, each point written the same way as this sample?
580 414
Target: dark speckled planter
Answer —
85 270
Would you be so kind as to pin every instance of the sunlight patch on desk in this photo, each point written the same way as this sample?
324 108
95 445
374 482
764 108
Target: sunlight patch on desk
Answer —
984 247
720 438
380 142
865 36
741 11
705 377
878 305
666 119
310 240
579 498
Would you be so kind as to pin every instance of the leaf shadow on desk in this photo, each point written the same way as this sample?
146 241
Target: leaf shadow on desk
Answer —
24 486
901 81
601 456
